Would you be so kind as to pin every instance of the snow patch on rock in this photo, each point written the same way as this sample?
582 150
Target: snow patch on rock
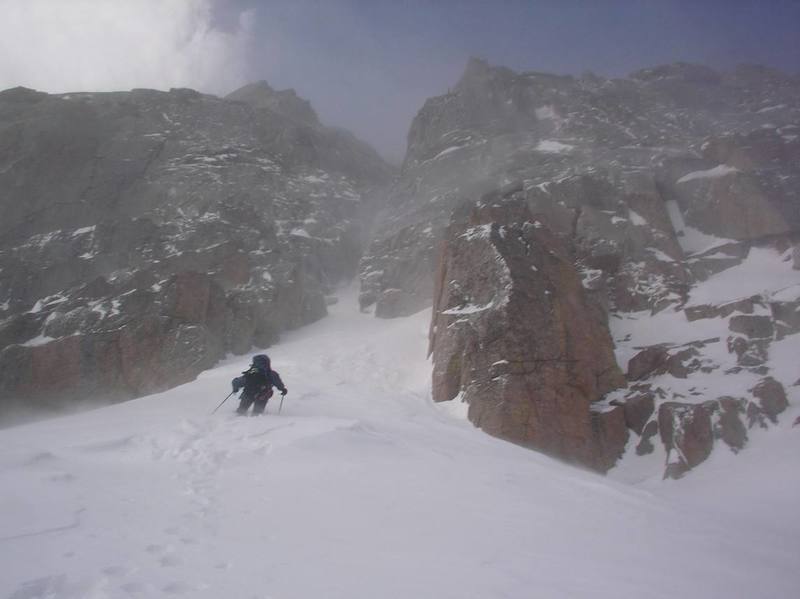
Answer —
721 170
551 146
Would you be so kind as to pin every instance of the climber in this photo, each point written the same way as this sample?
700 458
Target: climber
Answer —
257 382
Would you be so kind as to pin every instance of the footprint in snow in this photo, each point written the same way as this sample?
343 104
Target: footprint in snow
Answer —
44 457
137 588
170 561
154 548
112 445
118 571
177 588
57 586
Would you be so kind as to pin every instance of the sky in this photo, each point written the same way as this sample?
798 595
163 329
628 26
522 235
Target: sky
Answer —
369 65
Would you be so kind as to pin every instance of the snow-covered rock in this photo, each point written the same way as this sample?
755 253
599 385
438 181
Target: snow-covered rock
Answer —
137 227
676 196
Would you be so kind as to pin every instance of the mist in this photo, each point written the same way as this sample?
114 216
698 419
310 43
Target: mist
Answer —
576 305
95 45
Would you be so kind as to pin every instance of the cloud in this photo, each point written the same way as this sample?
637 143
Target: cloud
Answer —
330 52
103 45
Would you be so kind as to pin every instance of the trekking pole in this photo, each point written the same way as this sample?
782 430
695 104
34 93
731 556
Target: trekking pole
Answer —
223 401
280 406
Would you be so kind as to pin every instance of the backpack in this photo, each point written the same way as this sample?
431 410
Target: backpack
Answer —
257 383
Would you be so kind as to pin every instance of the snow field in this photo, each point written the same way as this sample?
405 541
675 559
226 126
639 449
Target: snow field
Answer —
362 487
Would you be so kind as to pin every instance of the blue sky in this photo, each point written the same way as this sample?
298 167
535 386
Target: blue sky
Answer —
368 65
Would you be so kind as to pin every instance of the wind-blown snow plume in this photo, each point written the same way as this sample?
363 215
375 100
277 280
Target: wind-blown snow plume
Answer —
96 45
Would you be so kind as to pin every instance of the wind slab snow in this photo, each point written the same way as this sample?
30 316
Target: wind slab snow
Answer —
362 487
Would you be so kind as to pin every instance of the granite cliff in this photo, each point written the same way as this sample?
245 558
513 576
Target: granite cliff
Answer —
147 233
671 195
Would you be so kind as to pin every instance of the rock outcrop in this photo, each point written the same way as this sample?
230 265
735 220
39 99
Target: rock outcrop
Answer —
717 387
516 336
672 193
146 233
562 226
638 170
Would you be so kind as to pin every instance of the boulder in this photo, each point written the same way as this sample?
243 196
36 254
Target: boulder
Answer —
771 397
754 327
729 427
393 303
687 436
645 445
715 260
755 416
657 359
684 362
750 353
702 311
515 336
638 410
649 361
786 317
728 202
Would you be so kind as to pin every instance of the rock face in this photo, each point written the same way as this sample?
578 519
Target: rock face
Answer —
516 336
672 193
146 233
284 102
561 226
743 186
635 170
686 432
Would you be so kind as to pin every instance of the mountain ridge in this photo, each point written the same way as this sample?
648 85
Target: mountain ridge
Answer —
656 185
170 227
147 233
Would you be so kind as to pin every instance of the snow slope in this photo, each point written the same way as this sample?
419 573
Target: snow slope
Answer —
363 488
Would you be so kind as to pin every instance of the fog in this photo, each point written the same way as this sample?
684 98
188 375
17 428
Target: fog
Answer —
16 412
601 272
